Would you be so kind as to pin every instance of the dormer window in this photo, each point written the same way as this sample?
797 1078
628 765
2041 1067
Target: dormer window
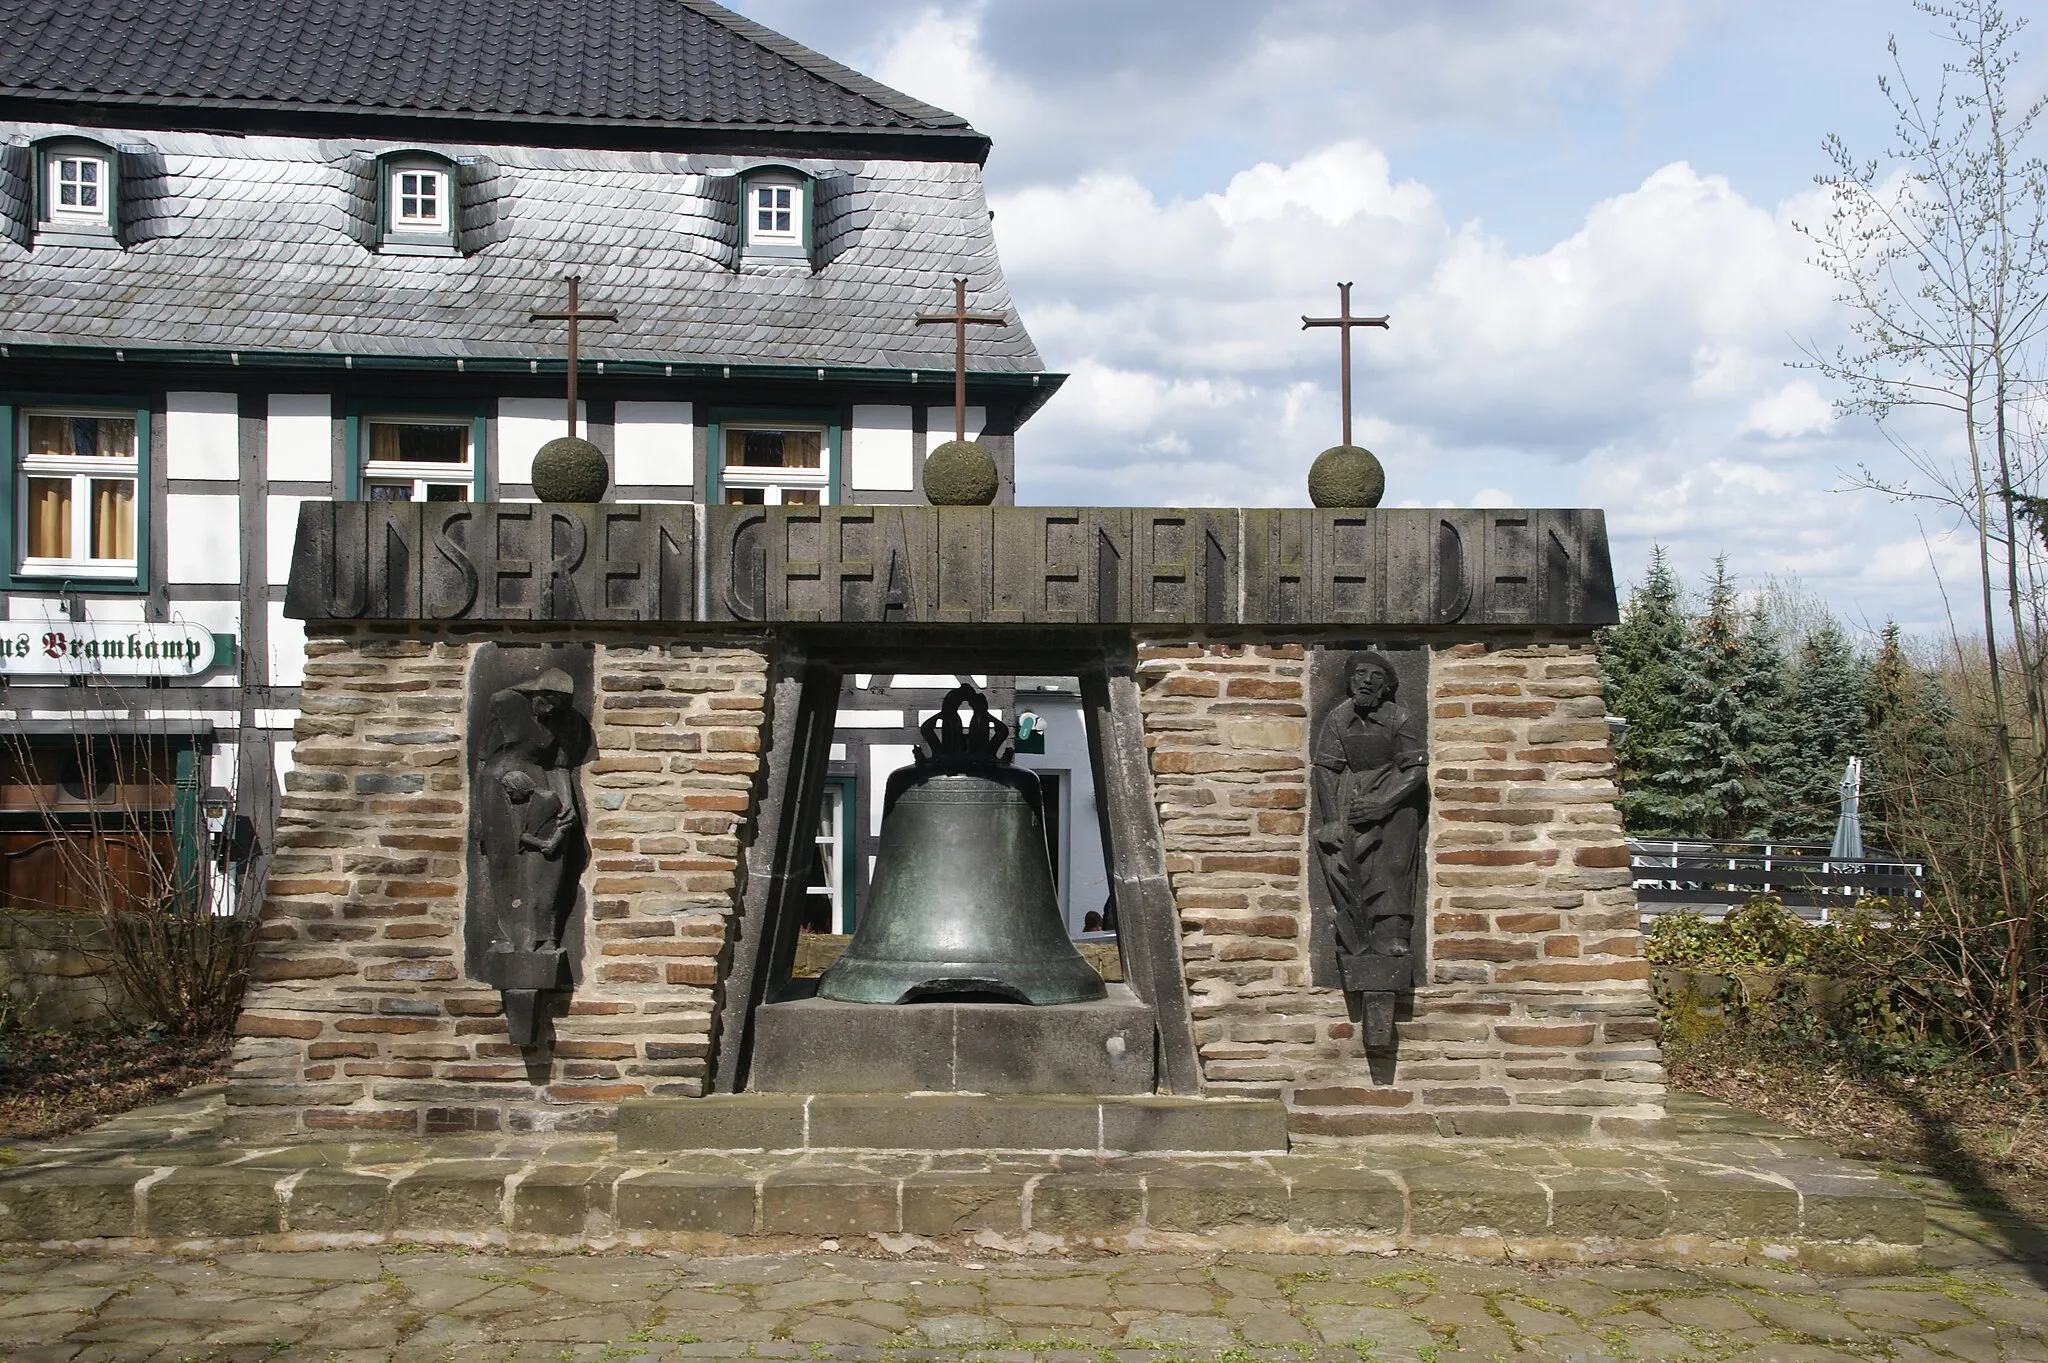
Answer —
77 193
421 199
419 209
78 188
775 213
776 205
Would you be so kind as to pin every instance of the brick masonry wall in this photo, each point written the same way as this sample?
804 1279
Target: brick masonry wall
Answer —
1537 1017
359 1018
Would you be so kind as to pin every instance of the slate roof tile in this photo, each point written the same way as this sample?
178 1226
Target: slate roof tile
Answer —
685 62
256 243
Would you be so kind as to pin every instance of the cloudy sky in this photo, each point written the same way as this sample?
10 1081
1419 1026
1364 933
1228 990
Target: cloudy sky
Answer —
1580 215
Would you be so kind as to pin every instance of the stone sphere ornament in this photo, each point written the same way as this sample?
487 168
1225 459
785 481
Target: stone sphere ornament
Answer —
1346 476
570 469
960 473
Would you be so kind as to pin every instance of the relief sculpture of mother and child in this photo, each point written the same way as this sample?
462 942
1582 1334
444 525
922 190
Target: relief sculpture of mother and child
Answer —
527 844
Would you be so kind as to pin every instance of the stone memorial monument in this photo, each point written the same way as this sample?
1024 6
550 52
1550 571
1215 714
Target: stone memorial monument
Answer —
1355 786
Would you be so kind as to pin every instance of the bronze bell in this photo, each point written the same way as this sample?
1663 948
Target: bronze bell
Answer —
962 905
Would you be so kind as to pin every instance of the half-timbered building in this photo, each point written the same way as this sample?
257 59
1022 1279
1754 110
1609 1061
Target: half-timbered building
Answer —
255 252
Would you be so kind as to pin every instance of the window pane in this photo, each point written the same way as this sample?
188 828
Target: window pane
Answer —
774 449
802 449
419 194
774 210
447 492
78 183
49 518
113 518
418 443
87 436
48 435
793 496
745 496
390 492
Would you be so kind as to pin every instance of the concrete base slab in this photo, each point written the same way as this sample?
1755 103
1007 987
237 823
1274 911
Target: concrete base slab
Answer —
163 1177
878 1122
826 1046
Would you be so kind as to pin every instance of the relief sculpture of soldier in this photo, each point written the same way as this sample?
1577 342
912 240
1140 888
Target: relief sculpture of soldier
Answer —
1371 785
528 826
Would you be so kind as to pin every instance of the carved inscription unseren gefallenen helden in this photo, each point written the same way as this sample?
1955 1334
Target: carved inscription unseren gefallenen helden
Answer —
508 561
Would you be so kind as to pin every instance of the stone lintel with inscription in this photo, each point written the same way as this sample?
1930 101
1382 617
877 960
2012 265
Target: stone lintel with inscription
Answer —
925 565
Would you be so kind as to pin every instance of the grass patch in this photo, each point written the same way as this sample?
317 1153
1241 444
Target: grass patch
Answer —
55 1083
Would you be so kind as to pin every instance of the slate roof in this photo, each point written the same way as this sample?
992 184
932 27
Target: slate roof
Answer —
259 244
675 64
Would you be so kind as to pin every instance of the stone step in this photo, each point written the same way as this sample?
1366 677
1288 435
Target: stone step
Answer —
163 1178
1816 1212
1117 1124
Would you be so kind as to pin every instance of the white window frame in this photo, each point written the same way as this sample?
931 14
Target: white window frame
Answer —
58 211
401 225
774 482
83 471
833 850
419 475
792 235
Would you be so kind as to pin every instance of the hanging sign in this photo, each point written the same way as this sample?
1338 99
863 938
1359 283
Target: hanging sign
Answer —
111 648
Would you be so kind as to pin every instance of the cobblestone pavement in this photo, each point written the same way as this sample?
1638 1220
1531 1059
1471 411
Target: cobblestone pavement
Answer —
398 1305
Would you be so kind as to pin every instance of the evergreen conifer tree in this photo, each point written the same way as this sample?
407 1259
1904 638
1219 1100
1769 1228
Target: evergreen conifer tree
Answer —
1639 658
1720 774
1832 726
1767 741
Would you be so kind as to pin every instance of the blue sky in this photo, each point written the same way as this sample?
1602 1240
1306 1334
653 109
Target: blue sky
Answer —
1581 215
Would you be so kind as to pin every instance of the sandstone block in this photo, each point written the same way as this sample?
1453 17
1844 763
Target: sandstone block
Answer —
942 1202
332 1201
1197 1197
686 1200
69 1203
828 1200
214 1201
1087 1202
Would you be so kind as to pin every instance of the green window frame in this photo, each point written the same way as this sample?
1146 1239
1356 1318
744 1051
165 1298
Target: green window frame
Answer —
360 413
396 240
12 407
50 222
721 419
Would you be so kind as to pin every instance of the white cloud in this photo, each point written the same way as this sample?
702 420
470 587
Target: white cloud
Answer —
1178 180
1794 410
1648 348
1141 84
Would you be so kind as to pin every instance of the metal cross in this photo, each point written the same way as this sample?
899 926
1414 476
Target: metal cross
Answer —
960 319
573 316
1344 321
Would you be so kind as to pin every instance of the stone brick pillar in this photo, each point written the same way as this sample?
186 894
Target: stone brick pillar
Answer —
1536 1018
359 1018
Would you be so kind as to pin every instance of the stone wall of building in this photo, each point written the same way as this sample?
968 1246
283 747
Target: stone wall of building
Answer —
1536 1017
53 972
359 1017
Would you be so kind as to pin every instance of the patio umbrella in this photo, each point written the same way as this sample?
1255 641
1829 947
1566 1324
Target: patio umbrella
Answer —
1849 827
